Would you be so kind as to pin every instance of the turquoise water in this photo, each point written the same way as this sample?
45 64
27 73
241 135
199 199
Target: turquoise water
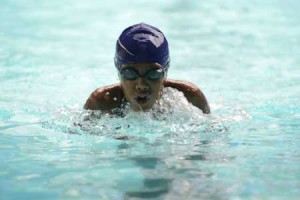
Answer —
244 55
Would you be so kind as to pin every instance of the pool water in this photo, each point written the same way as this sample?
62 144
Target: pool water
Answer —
244 55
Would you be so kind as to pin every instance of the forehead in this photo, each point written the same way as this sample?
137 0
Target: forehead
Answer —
142 66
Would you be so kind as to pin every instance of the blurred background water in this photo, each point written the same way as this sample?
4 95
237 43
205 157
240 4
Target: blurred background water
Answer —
244 55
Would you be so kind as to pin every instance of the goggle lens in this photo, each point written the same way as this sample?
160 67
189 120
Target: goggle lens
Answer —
133 74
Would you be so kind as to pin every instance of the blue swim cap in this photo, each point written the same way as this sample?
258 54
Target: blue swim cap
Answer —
142 43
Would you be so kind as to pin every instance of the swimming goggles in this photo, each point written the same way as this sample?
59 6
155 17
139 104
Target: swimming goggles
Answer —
133 74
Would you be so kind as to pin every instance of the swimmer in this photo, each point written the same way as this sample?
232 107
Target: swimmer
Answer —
142 60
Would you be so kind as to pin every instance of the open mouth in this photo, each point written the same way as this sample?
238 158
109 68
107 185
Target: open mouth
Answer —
142 99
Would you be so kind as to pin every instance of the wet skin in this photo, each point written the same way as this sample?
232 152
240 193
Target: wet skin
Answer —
142 93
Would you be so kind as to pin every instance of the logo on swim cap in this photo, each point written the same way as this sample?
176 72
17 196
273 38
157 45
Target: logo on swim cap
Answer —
142 43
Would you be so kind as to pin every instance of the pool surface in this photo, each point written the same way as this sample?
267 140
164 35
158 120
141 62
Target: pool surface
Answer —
244 55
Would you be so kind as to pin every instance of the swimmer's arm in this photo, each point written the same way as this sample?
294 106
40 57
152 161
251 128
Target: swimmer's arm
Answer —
104 98
193 94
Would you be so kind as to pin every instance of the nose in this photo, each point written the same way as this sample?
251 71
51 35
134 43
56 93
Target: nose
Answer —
142 85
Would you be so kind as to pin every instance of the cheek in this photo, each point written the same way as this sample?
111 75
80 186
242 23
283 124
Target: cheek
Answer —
157 87
127 87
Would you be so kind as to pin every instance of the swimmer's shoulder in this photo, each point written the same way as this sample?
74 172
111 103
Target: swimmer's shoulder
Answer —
193 93
105 98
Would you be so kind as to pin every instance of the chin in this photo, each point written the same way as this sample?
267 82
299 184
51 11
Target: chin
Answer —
139 107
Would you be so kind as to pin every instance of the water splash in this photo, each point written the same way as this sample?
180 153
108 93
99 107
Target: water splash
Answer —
171 116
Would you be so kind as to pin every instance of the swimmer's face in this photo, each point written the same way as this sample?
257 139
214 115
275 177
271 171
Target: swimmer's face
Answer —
142 84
